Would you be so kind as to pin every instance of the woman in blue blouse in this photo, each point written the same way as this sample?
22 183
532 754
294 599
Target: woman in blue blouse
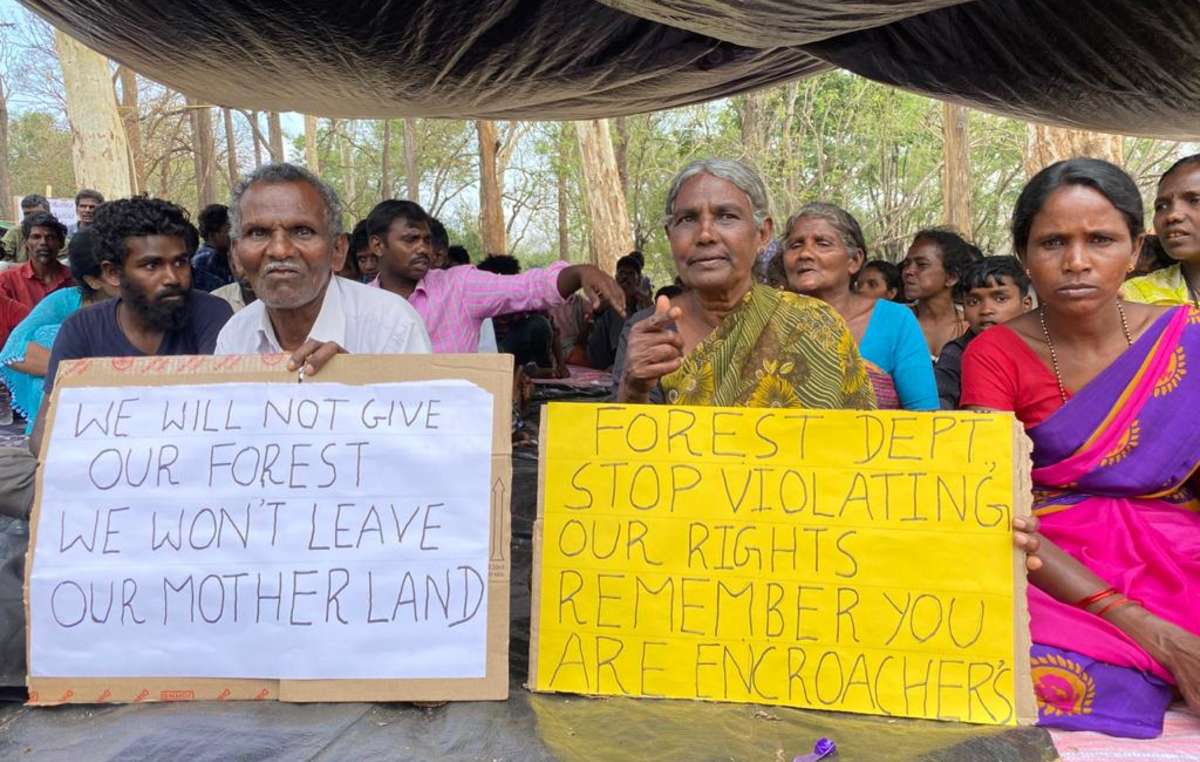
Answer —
823 249
26 354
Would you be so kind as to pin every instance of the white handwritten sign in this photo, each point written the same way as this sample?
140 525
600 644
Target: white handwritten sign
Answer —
298 531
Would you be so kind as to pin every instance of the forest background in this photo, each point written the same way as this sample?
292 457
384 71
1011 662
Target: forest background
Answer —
897 161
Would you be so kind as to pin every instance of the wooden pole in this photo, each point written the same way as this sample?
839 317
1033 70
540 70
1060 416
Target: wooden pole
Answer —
275 130
311 159
257 142
131 117
491 210
411 169
347 156
99 150
385 180
203 152
231 160
564 234
956 168
621 151
612 235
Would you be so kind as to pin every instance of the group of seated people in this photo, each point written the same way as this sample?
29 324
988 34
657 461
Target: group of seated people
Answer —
1097 373
1098 377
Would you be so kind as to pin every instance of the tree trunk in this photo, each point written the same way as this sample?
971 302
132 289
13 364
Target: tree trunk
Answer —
621 151
5 177
1045 145
203 153
751 112
131 118
257 142
347 156
612 235
275 134
311 160
99 150
491 211
564 233
231 160
956 168
412 171
385 179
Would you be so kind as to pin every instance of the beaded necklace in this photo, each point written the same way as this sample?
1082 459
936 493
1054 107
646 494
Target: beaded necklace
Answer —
1062 390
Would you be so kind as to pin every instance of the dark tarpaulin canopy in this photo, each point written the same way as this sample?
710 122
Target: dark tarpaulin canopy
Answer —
1130 66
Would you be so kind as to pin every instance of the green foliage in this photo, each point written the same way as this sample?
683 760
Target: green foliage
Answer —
39 155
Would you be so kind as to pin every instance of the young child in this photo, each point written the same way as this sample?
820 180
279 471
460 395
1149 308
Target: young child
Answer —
992 290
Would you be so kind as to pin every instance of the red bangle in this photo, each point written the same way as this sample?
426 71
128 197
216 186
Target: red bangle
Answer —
1114 605
1083 603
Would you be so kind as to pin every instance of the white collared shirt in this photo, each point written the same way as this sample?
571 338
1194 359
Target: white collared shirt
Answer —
362 320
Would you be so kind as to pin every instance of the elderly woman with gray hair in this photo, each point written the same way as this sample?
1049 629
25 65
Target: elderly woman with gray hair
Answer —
727 340
823 249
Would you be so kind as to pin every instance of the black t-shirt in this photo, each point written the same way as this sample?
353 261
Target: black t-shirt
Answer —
94 332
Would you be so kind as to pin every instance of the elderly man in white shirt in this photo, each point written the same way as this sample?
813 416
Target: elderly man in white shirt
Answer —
287 237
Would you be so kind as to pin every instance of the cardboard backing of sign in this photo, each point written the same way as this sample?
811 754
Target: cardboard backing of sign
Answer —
1025 703
491 372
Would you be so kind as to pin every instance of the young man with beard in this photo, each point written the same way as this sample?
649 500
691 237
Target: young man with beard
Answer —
42 273
14 239
142 251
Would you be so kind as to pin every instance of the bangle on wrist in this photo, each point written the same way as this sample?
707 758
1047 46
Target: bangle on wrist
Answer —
1122 601
1096 597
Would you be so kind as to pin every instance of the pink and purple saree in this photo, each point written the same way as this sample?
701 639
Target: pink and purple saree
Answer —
1113 478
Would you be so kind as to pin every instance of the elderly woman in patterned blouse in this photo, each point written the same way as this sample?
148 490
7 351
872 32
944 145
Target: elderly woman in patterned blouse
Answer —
727 340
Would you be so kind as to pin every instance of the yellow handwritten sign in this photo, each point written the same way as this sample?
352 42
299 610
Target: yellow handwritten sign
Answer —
843 560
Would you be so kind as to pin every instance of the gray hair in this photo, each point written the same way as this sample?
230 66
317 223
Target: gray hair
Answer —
842 221
739 173
283 172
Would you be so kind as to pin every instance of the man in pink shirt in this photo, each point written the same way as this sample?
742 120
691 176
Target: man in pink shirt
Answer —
455 302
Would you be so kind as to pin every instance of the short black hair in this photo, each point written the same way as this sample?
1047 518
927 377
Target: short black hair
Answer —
889 271
957 252
117 221
1153 255
1186 161
990 272
501 264
438 236
458 255
629 261
191 237
82 259
670 291
359 239
386 212
94 195
641 258
43 220
211 219
35 199
1105 178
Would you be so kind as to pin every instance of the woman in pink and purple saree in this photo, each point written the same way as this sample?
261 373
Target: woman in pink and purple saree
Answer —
1106 391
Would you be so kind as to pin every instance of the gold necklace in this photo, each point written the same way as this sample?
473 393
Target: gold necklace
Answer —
1062 391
